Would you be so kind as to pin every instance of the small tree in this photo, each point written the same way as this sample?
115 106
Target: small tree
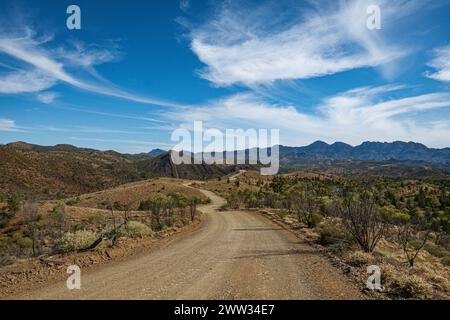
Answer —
31 218
126 212
233 201
58 221
116 206
193 201
278 184
13 205
413 234
361 217
307 206
155 204
180 202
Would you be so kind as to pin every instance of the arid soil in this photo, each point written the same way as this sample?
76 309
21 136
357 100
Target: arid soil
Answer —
234 255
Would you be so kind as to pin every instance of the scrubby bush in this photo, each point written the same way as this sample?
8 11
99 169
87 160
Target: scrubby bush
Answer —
436 250
359 259
306 204
362 219
446 260
95 219
331 232
58 221
314 220
72 202
13 204
77 240
134 229
281 214
233 201
193 201
7 259
388 273
409 286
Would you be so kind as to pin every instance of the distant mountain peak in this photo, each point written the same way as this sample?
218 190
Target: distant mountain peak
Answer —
20 145
156 152
319 143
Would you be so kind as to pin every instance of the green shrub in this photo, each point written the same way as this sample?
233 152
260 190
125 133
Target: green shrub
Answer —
446 260
134 229
281 214
72 202
96 218
331 232
13 204
169 222
436 250
77 240
185 221
314 220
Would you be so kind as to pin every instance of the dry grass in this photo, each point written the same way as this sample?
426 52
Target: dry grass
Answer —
88 213
429 279
409 286
133 193
360 259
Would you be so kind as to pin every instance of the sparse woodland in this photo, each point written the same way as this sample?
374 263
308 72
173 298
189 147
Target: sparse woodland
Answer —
32 229
395 223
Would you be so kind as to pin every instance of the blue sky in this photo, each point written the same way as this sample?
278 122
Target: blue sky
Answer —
137 70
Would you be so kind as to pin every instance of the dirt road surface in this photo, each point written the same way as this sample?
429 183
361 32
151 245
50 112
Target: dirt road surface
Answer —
234 255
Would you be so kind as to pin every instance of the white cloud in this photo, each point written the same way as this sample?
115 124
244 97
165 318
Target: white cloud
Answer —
114 141
24 82
83 129
185 4
51 66
352 117
47 97
109 114
250 46
441 63
8 125
88 56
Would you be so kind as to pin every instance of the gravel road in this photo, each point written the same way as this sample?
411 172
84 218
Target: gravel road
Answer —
234 255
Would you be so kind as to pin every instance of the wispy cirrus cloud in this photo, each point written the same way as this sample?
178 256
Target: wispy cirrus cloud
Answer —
135 142
87 129
353 116
441 64
110 114
8 125
250 46
44 66
25 82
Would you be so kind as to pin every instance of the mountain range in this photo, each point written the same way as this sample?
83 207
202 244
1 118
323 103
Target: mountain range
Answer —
370 151
65 170
367 151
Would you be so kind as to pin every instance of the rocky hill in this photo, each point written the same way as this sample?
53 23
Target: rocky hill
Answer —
65 170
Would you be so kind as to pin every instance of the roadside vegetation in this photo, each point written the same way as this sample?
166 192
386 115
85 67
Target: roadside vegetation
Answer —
31 229
403 226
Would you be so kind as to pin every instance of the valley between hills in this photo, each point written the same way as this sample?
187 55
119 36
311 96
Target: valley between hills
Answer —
140 227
